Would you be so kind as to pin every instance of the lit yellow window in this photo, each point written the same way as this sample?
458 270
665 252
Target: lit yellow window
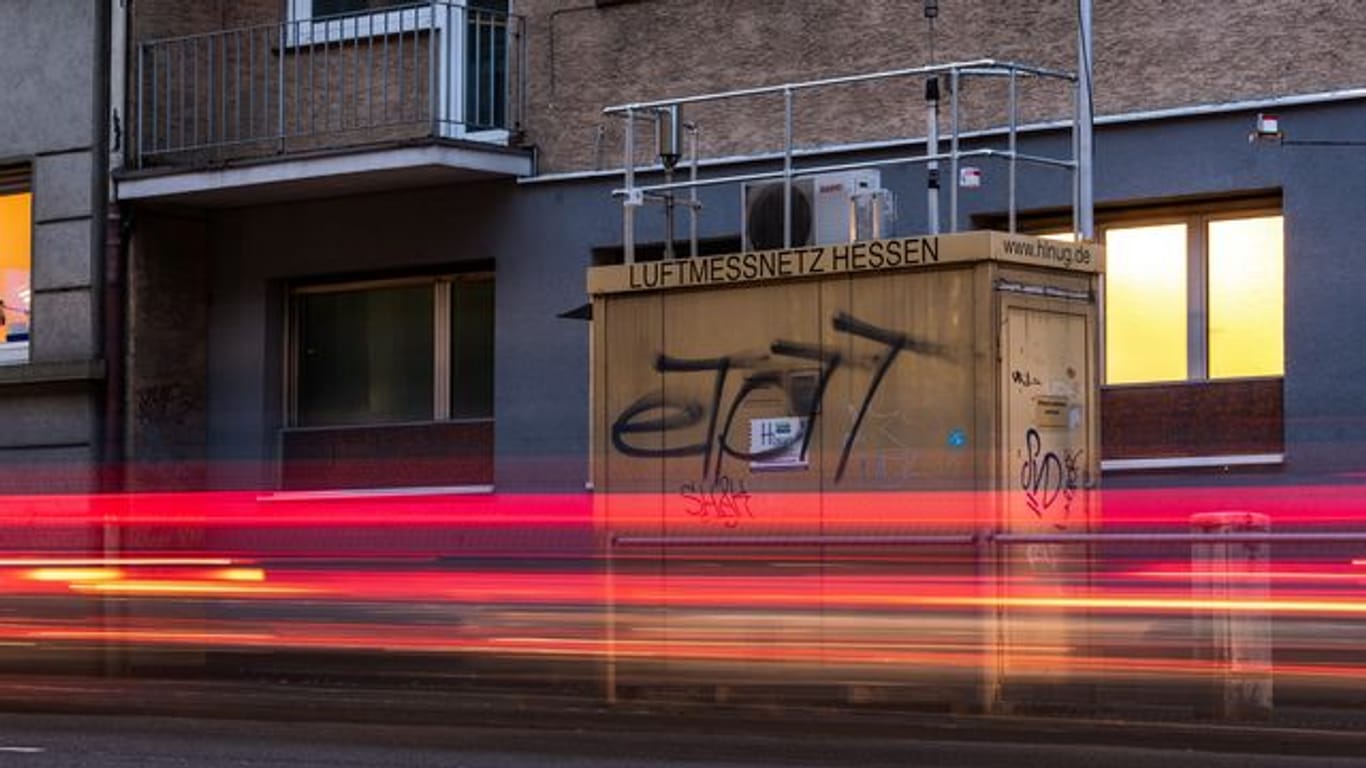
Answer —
1145 304
1246 297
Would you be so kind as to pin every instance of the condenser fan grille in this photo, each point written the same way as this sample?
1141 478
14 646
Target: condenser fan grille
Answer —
765 217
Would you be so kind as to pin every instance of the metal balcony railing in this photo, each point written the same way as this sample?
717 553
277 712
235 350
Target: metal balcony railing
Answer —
435 69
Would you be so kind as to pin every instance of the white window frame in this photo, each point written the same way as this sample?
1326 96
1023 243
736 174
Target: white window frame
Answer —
302 31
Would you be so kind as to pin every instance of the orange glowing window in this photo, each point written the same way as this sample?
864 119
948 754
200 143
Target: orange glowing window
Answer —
16 264
1246 297
1193 295
1145 304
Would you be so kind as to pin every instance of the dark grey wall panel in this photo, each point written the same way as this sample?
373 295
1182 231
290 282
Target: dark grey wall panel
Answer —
541 237
47 50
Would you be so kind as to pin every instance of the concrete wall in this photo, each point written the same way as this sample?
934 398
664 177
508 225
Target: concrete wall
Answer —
51 406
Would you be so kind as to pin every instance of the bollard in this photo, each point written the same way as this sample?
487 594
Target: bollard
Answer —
1232 637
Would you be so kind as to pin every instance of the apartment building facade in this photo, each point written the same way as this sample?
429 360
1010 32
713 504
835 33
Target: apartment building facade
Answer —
55 139
354 228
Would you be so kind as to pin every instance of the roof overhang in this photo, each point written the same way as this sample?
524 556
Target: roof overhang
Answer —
303 177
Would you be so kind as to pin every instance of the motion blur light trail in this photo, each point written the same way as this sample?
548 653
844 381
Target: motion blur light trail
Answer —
533 579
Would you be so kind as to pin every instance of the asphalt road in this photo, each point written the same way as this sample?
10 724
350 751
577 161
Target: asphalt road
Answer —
42 741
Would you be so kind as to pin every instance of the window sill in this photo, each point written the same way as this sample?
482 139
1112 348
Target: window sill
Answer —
1193 462
377 493
13 353
24 372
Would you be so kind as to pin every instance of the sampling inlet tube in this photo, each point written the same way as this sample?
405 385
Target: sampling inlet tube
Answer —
932 149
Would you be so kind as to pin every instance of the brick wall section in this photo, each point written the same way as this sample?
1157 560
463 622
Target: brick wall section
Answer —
1148 54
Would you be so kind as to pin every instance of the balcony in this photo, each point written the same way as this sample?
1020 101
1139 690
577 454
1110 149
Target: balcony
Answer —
403 96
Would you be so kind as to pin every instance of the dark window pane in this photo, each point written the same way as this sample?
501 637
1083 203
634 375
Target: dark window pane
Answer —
365 356
486 66
472 349
335 7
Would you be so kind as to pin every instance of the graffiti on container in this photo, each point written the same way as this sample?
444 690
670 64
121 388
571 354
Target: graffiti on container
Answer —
1024 379
659 413
886 456
1049 480
721 500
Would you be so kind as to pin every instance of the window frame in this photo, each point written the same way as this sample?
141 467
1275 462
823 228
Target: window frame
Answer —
443 313
1259 431
1197 217
17 179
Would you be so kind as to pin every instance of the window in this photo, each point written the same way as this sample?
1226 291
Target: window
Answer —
1194 338
393 352
1198 298
338 7
16 262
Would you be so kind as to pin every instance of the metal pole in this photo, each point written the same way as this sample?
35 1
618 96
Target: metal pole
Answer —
668 216
1076 158
1014 120
693 137
1086 115
787 168
280 90
953 151
142 90
931 149
628 210
431 71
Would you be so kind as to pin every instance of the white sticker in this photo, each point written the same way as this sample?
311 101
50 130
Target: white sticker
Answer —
777 442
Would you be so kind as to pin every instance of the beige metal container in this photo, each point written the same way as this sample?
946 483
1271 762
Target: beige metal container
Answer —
881 409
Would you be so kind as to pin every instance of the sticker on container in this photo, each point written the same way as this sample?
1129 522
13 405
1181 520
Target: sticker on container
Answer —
776 443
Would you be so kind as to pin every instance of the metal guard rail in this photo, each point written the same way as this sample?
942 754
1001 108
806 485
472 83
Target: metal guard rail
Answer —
997 538
436 68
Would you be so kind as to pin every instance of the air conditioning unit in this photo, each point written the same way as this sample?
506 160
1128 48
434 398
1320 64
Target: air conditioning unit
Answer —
827 208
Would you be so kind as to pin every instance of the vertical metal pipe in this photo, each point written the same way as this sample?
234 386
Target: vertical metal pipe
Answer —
476 21
166 143
1014 122
251 83
932 177
237 80
180 90
370 71
628 210
312 82
280 89
522 72
694 138
417 67
384 79
1085 114
787 168
953 150
327 78
138 67
431 70
1076 163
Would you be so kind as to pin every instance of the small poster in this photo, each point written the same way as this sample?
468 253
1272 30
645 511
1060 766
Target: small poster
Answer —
776 443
